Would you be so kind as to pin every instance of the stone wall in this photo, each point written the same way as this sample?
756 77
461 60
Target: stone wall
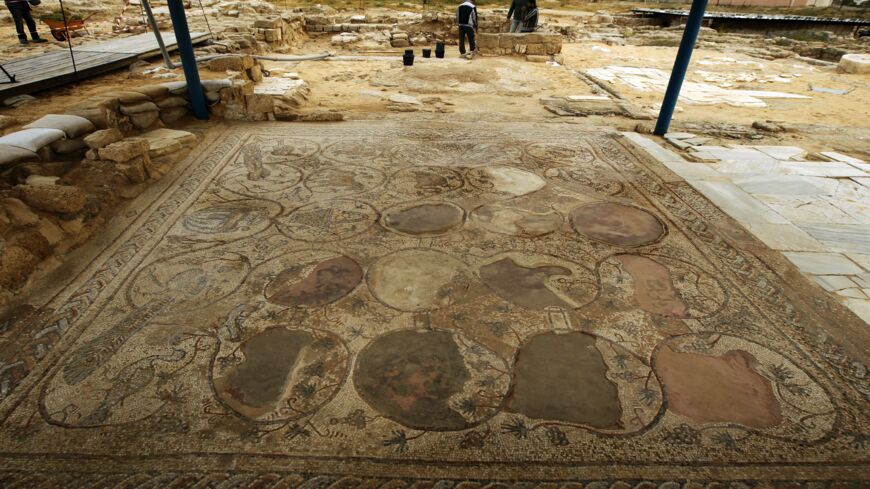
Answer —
532 43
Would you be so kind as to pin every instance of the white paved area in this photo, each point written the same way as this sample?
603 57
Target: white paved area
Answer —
813 208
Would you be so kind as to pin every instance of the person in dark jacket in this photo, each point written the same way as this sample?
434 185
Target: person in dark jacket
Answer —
466 19
21 15
530 17
515 14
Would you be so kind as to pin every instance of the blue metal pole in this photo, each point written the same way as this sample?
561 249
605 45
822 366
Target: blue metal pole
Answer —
188 59
681 65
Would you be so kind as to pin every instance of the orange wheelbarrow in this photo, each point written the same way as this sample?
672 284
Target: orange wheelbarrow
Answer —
61 32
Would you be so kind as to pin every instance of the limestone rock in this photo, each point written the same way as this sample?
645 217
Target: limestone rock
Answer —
404 99
18 213
854 63
135 169
50 231
268 23
167 141
103 138
41 180
231 63
344 38
259 103
125 150
16 264
62 199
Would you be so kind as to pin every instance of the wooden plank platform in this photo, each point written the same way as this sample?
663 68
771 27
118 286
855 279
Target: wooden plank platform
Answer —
55 68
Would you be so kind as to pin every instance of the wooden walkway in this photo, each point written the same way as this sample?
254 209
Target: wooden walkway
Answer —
55 68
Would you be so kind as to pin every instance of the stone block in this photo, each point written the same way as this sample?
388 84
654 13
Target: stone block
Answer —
256 73
231 63
506 41
257 103
134 169
854 63
18 212
272 35
102 138
62 199
487 41
400 43
124 150
536 49
268 23
552 48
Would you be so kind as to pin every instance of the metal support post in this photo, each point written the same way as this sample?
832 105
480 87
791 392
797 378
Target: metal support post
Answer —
188 59
681 65
153 23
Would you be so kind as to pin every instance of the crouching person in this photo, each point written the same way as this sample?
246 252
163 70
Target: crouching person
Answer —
466 19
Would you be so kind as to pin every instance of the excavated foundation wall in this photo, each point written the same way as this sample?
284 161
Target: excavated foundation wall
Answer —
531 43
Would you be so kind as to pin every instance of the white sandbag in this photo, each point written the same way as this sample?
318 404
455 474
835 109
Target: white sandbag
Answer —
72 125
32 139
14 154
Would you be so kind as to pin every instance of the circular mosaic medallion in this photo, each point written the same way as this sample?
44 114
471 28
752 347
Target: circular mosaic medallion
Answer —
290 149
554 154
662 285
440 153
505 179
419 280
353 151
515 220
280 373
426 181
431 380
538 281
617 224
492 154
722 380
584 380
267 178
189 281
346 180
424 219
328 220
226 221
310 278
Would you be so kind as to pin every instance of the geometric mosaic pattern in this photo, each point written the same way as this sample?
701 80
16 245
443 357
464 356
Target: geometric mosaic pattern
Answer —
358 303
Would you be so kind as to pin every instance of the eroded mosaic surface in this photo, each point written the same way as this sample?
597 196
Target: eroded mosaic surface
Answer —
380 299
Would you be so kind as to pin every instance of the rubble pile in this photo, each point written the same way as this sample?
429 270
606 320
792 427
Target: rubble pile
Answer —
242 96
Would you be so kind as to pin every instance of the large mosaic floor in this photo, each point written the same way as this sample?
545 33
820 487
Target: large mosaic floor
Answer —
361 304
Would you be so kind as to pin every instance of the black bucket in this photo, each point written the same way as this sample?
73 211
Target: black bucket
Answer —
408 57
427 53
439 50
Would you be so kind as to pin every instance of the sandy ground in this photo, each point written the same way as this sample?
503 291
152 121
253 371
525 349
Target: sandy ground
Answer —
509 88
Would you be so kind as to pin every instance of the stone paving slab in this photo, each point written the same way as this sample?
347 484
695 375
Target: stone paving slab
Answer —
432 301
824 206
